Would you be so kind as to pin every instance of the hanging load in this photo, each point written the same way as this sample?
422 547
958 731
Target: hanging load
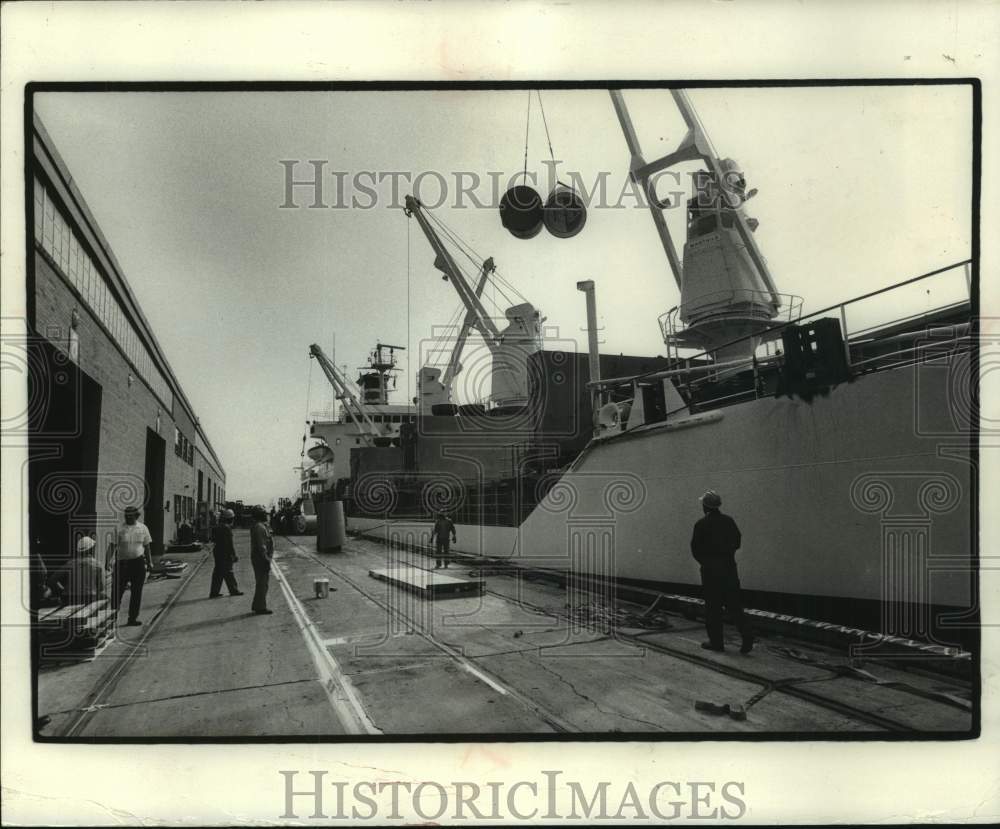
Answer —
521 209
564 213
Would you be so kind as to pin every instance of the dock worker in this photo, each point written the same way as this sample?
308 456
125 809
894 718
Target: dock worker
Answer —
224 554
132 556
714 543
261 555
442 535
84 577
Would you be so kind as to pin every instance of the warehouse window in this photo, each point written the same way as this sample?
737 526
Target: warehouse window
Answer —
57 239
39 208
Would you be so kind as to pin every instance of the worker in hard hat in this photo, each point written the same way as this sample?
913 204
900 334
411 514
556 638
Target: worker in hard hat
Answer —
225 555
714 544
83 577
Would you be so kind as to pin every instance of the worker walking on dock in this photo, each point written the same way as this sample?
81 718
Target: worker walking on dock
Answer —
225 554
442 535
261 554
132 556
714 544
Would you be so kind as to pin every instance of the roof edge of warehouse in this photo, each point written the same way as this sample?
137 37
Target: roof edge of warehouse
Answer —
117 272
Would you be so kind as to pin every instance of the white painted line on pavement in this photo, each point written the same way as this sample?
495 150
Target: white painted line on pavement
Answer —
343 698
479 675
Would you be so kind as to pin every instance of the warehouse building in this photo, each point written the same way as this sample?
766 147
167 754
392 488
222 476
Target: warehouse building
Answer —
109 424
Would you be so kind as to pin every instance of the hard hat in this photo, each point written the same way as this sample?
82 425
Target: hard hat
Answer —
84 544
711 499
228 513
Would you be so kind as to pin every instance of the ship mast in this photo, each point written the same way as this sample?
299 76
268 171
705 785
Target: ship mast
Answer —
375 384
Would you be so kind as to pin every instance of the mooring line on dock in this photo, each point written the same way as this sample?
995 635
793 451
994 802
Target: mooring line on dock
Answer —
336 684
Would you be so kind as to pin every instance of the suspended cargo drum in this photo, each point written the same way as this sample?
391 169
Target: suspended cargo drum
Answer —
564 214
521 211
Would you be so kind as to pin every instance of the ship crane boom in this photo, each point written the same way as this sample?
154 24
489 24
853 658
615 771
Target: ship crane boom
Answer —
355 411
510 349
476 315
454 362
695 146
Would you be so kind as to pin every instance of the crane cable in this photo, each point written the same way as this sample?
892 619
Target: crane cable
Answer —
552 155
476 259
408 352
305 432
527 128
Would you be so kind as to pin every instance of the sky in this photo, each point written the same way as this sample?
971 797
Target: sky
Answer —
859 188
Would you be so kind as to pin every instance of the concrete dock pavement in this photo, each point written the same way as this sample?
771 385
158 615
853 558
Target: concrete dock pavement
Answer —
371 658
198 667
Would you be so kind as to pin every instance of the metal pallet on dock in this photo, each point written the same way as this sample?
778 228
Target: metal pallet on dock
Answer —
428 583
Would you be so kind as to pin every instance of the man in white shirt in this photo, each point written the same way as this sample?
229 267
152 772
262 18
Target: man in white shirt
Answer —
132 555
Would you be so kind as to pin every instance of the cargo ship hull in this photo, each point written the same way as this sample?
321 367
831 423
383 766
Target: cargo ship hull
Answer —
856 506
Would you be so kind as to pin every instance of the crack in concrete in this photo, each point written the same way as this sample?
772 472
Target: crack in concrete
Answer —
391 668
592 701
111 706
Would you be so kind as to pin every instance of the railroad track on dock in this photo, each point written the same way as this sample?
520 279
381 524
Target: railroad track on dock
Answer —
792 688
95 700
551 718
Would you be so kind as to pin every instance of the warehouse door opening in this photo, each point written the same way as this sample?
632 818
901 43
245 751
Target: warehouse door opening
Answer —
156 452
64 436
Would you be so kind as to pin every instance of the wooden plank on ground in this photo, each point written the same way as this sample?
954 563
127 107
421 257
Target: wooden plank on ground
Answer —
85 611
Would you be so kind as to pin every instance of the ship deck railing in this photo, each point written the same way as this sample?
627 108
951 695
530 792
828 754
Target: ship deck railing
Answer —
733 304
915 333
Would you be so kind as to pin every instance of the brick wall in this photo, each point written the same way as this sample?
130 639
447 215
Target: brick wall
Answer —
128 409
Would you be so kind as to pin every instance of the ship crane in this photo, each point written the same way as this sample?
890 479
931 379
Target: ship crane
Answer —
352 405
509 348
727 291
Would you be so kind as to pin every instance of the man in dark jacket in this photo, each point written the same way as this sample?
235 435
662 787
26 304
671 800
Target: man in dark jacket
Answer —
225 554
714 544
442 535
261 554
